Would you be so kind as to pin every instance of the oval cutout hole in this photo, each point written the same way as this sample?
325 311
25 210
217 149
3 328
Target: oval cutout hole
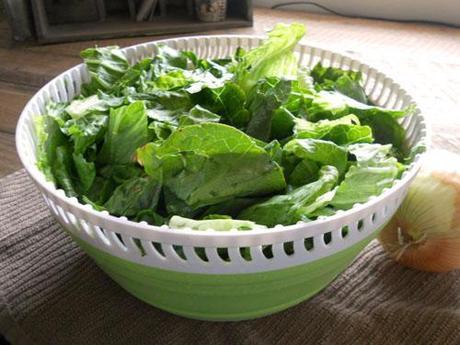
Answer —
268 251
223 254
158 248
245 253
360 224
289 248
120 238
345 231
374 218
308 243
201 253
179 251
327 238
139 246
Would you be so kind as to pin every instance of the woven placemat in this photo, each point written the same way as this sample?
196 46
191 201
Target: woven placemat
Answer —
52 293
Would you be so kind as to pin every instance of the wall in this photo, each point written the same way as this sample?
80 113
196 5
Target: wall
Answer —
441 11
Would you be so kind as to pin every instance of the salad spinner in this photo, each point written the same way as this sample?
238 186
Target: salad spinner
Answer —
161 265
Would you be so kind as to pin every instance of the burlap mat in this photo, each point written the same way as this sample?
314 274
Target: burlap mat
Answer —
52 293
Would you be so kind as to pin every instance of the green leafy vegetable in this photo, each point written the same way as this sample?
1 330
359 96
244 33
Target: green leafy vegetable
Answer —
49 138
264 98
321 151
345 130
305 171
127 130
196 115
86 171
374 171
85 131
62 169
274 58
134 196
344 81
227 143
177 222
209 163
296 205
96 104
105 65
332 105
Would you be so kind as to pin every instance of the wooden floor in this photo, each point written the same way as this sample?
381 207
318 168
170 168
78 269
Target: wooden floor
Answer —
424 58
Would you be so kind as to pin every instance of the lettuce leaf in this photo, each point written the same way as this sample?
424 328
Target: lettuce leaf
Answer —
127 130
133 196
344 81
50 138
374 171
95 104
197 115
209 163
332 105
105 65
345 130
297 204
264 98
273 58
320 151
177 222
248 136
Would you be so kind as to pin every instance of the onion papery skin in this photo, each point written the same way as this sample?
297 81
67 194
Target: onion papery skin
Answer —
424 234
431 255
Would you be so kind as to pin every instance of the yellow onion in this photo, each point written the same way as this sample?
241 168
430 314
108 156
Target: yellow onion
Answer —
425 231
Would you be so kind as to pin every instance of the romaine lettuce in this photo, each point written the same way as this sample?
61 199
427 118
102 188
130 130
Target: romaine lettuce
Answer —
203 143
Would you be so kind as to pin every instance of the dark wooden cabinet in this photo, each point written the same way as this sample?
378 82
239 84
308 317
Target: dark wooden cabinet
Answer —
71 20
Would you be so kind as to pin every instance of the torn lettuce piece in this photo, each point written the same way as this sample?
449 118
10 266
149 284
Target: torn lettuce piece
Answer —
163 115
332 105
283 122
100 192
127 130
135 75
86 171
63 171
49 138
151 217
275 151
95 104
386 130
160 130
105 65
197 115
227 101
306 171
121 173
296 205
177 222
169 81
273 58
232 207
168 58
375 170
320 151
344 81
343 131
85 131
133 196
210 163
264 98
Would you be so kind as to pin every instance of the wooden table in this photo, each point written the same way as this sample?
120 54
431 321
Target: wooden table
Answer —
424 58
